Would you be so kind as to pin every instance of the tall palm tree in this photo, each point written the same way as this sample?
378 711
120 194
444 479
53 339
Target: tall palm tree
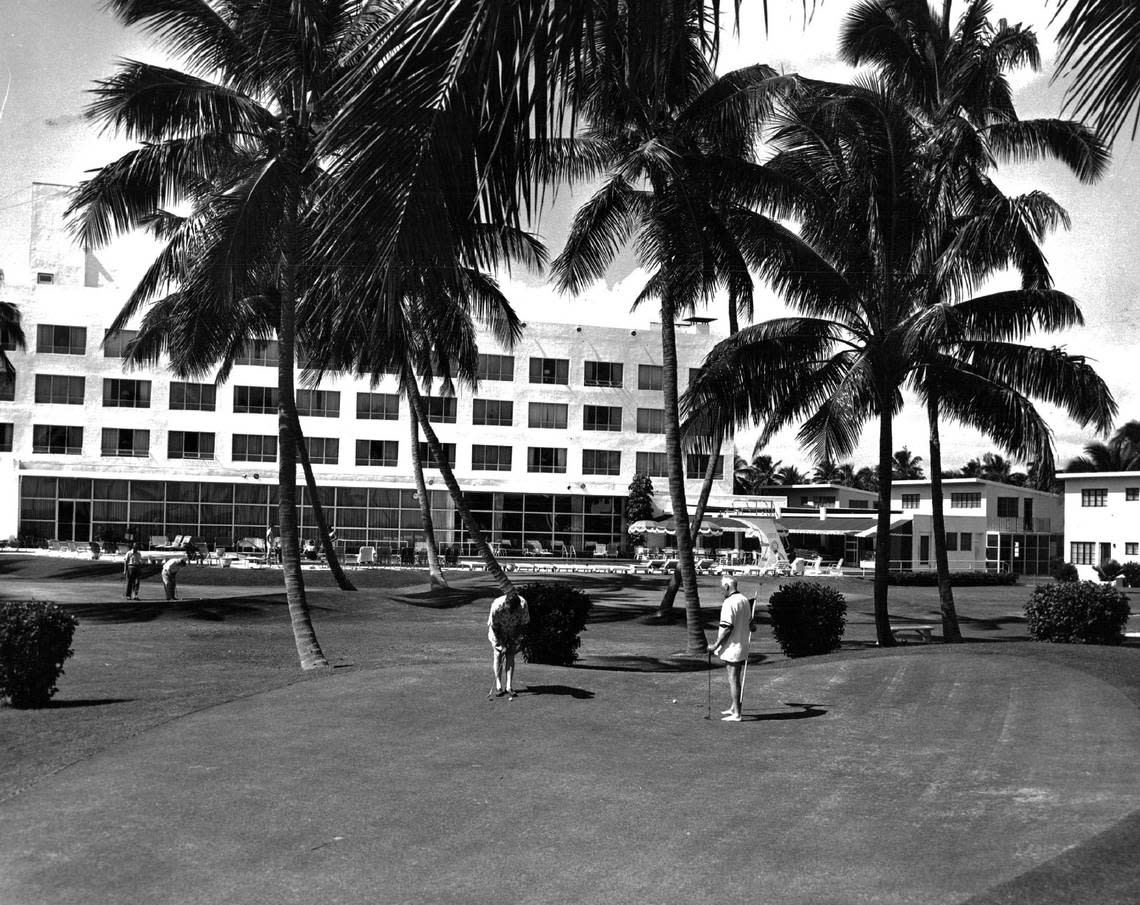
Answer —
905 465
675 145
232 136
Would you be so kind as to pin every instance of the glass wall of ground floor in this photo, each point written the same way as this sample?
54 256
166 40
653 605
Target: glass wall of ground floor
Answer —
221 513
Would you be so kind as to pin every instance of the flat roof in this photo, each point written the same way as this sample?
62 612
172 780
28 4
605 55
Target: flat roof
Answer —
1097 474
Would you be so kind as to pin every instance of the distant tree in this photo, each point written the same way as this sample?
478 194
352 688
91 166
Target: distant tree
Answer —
639 502
996 467
1120 453
828 472
905 465
789 475
750 477
867 478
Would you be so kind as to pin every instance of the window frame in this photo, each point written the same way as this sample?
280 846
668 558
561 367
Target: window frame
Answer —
612 381
55 348
484 463
645 419
377 406
49 381
318 403
480 409
111 401
648 375
645 458
609 425
560 412
136 451
558 466
966 500
199 454
261 456
183 387
1094 497
248 407
383 460
68 448
492 366
592 469
559 366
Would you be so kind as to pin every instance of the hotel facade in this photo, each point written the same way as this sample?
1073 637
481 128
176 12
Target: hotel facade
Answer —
1102 517
544 448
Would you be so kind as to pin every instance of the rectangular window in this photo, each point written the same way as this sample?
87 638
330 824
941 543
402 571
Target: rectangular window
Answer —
1131 548
377 453
601 417
256 401
604 374
318 403
259 352
490 458
546 459
951 541
128 394
7 387
965 542
493 412
1007 506
550 370
651 421
552 415
126 442
57 440
60 340
910 500
653 464
1095 498
440 409
6 431
58 389
1131 494
377 406
1082 553
115 344
601 462
965 501
193 397
323 450
495 367
650 377
189 445
43 278
696 463
254 448
428 459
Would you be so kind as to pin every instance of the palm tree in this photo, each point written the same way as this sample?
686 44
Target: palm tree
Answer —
11 336
828 472
789 476
905 465
757 474
232 136
667 123
1120 453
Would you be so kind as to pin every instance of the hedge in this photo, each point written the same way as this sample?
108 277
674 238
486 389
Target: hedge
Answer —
1081 612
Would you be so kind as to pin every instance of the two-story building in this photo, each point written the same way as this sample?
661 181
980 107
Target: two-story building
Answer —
1102 517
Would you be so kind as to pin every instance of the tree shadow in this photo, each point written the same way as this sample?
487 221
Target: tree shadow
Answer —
632 663
448 598
580 693
84 702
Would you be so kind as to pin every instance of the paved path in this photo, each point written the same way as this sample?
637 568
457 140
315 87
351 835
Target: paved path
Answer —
926 776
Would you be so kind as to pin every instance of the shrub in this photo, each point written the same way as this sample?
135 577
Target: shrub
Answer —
35 639
807 618
1108 569
1065 571
958 579
1081 612
558 614
1131 572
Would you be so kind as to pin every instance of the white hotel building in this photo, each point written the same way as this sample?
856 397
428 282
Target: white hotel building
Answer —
1102 517
544 448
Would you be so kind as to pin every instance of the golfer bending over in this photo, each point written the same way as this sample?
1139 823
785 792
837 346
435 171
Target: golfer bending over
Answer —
732 642
505 626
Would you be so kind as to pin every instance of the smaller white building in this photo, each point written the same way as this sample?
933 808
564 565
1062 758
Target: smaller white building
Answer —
1102 516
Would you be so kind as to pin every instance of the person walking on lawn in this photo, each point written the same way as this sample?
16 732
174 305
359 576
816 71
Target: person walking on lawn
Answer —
170 576
734 637
132 569
506 624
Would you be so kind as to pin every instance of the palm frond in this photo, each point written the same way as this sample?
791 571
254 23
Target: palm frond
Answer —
1074 144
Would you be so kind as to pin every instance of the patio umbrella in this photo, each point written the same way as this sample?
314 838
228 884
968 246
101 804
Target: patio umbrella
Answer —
646 526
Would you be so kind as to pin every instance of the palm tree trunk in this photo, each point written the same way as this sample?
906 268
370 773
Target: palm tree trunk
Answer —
950 629
696 642
435 573
671 589
883 527
415 403
338 573
309 650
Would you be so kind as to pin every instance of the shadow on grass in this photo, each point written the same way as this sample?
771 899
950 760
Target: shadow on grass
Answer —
217 610
653 664
806 713
580 693
449 598
85 702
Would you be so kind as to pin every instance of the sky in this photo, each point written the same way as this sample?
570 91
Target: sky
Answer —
52 50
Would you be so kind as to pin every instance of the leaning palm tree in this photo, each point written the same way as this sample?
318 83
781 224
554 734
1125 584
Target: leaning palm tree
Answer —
232 136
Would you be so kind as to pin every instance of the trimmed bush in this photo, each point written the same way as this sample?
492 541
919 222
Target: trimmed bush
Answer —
1065 571
35 639
958 579
558 614
1080 612
807 618
1131 572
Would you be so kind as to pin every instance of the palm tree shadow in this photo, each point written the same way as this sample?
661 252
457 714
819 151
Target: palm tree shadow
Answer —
580 693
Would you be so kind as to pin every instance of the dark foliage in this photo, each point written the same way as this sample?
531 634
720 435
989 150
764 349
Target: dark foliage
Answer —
35 640
807 618
558 614
1108 569
1081 612
1064 571
958 579
1131 572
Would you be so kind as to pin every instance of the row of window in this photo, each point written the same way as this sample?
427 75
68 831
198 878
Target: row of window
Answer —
1084 553
60 339
59 389
1097 497
50 439
957 501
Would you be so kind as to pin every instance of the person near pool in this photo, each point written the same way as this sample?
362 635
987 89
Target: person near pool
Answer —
734 636
132 569
170 576
506 624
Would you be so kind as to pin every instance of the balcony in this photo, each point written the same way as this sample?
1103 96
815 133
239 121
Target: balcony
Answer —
1018 525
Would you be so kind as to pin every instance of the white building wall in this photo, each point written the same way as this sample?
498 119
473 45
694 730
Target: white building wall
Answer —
1113 528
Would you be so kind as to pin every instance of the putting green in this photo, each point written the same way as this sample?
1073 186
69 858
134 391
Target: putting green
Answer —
918 777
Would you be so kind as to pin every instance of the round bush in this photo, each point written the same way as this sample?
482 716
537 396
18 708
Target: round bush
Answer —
558 614
1065 571
1108 569
1131 572
1081 612
35 639
807 618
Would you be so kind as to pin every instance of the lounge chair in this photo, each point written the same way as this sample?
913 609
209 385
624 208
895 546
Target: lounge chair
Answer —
705 565
799 566
837 569
157 542
816 568
366 556
600 551
559 548
535 548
